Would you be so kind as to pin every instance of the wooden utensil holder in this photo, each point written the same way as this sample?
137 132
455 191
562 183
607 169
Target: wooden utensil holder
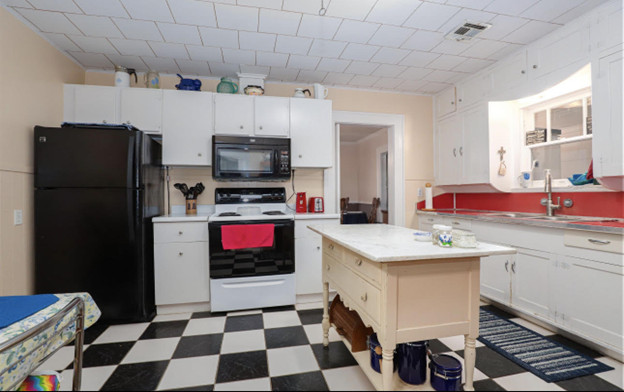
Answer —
191 206
349 324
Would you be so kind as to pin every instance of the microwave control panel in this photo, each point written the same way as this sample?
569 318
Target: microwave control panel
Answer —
284 162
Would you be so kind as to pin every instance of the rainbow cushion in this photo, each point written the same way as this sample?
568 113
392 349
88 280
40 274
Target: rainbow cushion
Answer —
43 382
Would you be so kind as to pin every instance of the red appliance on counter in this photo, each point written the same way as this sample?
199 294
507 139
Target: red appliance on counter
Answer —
301 202
316 205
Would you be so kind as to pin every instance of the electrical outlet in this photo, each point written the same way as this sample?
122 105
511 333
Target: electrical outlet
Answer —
17 217
420 192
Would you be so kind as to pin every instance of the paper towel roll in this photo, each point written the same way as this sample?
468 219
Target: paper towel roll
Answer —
429 197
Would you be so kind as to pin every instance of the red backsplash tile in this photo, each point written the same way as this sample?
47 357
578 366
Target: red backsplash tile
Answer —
443 201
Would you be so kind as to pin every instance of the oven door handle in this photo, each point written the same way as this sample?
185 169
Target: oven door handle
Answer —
263 283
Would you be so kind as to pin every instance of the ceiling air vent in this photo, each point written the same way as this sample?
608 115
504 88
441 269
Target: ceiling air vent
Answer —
467 31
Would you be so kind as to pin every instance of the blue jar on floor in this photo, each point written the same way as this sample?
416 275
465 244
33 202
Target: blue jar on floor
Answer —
446 373
412 362
376 354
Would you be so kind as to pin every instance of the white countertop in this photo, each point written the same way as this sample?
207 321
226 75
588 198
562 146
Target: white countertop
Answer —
316 215
385 243
182 217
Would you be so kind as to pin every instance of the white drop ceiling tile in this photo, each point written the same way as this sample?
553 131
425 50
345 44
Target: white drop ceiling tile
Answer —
354 31
132 47
180 34
391 36
49 22
62 42
392 12
103 8
92 60
473 65
338 78
574 13
95 26
350 9
275 4
237 56
423 40
303 62
204 53
219 38
311 76
466 15
56 5
547 10
362 67
431 16
156 10
305 6
530 32
419 59
294 45
483 48
390 83
93 44
326 48
283 74
333 65
193 12
390 55
279 22
475 4
129 62
222 69
359 52
444 76
509 7
16 3
415 73
270 59
389 71
237 18
503 25
166 49
315 26
256 41
505 51
434 87
192 67
255 69
449 46
138 29
446 62
364 81
414 86
161 64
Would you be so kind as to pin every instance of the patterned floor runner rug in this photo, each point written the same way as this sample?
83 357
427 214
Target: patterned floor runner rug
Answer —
546 359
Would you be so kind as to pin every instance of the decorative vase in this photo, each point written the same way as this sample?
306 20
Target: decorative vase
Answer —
226 86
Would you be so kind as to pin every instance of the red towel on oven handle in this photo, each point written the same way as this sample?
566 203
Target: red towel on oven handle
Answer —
247 236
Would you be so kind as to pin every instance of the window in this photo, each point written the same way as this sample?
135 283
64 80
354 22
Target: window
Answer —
558 134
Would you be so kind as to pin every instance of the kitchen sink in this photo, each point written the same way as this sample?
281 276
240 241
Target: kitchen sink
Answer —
556 218
512 214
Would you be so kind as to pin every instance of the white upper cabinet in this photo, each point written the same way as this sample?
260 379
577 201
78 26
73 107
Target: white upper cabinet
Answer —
311 132
448 141
606 30
142 108
272 116
234 114
472 90
91 104
446 102
187 128
509 75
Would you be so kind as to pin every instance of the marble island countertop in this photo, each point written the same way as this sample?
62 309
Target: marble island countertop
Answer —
385 243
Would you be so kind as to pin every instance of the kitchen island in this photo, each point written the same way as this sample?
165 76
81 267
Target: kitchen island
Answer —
404 289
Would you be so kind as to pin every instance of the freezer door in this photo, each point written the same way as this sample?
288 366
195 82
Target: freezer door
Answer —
87 158
93 240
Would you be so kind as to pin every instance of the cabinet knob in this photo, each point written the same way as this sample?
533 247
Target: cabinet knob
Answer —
364 297
181 254
242 127
534 66
300 156
331 246
199 154
455 152
523 72
507 265
318 248
461 151
358 262
460 100
104 122
513 267
260 127
452 102
328 267
180 232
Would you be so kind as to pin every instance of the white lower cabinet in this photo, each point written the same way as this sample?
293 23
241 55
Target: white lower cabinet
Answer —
532 275
495 278
181 264
308 255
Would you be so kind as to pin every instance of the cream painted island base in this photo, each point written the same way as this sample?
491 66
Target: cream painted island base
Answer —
405 290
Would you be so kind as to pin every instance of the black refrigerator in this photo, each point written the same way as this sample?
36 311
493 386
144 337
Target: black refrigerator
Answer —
96 191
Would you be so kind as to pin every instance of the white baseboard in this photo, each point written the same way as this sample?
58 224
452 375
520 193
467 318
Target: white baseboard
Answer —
183 308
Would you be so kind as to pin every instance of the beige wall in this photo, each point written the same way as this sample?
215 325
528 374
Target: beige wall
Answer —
349 172
32 73
417 109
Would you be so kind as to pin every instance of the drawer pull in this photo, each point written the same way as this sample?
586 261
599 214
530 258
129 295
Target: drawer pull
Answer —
507 265
456 223
598 242
331 246
513 267
181 254
358 262
364 297
318 248
328 267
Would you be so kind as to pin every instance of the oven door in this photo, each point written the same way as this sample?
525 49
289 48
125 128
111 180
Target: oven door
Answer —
237 263
245 162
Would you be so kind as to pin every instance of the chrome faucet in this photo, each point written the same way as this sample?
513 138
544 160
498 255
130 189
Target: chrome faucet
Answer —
550 207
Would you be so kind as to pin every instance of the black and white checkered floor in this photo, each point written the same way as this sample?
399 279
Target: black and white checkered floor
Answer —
272 349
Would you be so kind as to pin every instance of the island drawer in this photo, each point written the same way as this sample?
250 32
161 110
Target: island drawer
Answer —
370 270
605 242
180 232
332 249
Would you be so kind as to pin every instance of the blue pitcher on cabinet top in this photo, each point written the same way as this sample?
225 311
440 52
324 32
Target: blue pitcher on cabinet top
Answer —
188 84
226 86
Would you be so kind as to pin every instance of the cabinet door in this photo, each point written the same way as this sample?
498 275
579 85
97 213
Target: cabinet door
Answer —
311 132
474 151
91 104
533 275
589 299
181 273
187 128
446 102
448 142
308 266
496 278
472 91
234 114
142 108
608 139
510 75
272 116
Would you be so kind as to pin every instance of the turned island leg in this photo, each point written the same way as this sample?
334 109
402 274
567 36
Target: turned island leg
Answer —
387 369
470 355
325 314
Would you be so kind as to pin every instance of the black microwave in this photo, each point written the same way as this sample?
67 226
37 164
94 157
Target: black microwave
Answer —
236 158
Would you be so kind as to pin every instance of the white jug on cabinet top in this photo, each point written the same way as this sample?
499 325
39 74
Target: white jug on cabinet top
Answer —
320 91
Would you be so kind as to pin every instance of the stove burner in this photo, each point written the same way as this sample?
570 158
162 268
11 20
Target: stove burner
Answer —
229 214
273 213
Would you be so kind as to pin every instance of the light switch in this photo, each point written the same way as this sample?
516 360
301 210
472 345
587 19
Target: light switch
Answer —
420 192
17 217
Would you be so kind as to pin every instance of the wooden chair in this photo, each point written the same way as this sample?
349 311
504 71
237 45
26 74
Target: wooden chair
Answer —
344 206
373 215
